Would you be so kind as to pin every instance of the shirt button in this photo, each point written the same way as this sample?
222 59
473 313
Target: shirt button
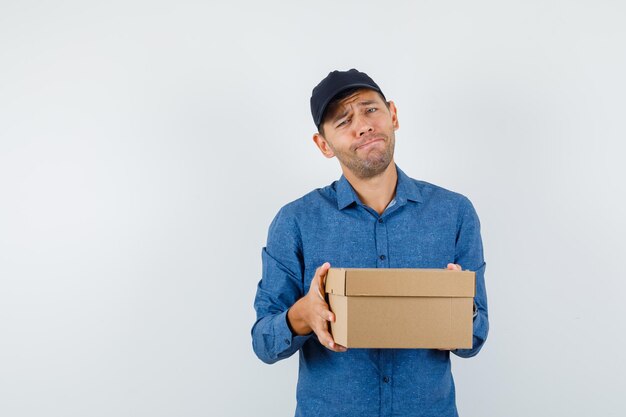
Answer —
287 341
380 220
382 257
386 379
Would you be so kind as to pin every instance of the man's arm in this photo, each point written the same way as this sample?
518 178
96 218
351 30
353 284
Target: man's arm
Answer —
285 317
469 254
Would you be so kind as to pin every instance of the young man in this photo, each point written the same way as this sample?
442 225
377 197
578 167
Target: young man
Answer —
374 216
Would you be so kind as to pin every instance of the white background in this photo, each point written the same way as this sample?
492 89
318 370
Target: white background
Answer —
145 147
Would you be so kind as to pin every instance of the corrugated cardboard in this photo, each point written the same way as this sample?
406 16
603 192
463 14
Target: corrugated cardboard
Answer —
401 308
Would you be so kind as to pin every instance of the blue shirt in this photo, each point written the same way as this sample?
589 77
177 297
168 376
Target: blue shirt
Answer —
426 227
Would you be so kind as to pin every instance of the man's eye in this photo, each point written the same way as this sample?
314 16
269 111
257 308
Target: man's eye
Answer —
343 122
372 109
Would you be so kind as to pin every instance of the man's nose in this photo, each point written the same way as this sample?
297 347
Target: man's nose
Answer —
363 126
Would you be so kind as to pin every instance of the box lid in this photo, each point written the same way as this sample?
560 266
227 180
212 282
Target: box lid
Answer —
404 282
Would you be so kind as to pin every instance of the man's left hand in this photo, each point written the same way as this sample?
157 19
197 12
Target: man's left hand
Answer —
454 267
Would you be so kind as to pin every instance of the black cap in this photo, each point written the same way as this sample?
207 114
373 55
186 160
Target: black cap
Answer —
335 83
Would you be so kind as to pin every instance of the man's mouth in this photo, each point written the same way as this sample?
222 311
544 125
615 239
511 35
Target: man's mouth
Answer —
368 143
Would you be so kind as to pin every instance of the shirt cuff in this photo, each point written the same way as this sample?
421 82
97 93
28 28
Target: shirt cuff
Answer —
285 341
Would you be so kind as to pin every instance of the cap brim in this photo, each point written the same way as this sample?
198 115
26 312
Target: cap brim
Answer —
334 94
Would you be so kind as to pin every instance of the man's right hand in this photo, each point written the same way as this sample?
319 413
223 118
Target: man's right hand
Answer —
311 312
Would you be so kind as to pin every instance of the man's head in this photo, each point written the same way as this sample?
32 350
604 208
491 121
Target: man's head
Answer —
355 122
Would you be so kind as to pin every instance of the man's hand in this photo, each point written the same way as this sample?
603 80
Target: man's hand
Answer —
454 267
311 312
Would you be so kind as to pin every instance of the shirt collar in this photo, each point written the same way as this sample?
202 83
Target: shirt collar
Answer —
406 189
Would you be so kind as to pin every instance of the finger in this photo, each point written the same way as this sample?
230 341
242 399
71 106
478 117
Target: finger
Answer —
328 342
315 281
325 314
320 274
321 270
321 330
454 267
320 291
340 348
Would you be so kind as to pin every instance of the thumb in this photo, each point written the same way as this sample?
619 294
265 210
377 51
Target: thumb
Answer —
321 279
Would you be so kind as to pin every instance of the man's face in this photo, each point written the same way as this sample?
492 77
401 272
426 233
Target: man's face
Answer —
360 132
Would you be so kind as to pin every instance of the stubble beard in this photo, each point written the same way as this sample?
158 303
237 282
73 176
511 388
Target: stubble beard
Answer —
373 164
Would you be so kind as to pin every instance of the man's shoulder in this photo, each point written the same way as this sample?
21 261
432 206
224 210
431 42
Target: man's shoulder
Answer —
430 192
311 202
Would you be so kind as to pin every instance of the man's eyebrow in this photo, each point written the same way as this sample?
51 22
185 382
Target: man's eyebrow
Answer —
340 116
360 104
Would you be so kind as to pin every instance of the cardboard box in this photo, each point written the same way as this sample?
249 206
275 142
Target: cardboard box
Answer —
401 308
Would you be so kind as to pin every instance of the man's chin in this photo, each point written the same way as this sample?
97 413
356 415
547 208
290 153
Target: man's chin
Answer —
372 170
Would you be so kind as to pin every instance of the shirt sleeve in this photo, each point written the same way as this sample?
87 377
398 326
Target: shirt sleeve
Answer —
281 285
469 254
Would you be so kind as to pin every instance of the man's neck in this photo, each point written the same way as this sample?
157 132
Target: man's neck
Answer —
375 192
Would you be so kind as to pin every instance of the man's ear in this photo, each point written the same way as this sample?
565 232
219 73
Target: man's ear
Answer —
323 145
394 115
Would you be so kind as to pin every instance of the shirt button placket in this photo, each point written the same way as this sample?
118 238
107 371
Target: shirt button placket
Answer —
386 366
386 389
382 245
